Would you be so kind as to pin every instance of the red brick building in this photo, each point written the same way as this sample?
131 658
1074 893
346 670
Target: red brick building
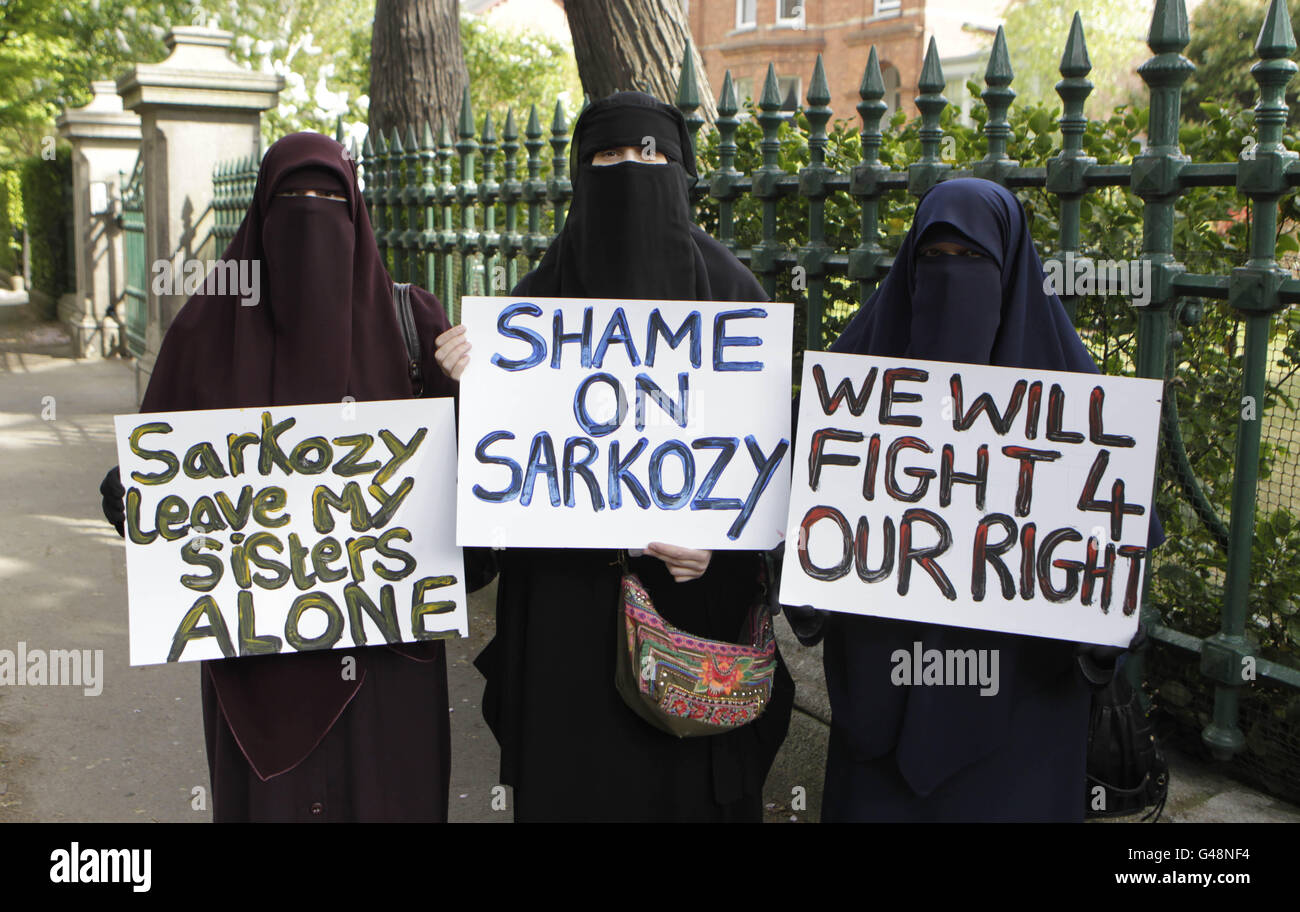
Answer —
744 35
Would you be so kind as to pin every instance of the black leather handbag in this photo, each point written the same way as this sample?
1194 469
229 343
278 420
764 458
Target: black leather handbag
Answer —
1127 773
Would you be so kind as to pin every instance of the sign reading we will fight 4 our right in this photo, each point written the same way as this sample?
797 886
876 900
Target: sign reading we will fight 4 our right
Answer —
972 496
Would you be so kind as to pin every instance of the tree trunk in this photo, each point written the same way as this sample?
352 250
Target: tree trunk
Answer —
417 69
634 44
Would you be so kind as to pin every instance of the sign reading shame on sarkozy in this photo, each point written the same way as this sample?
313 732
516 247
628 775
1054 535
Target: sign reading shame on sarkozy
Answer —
972 496
590 423
290 528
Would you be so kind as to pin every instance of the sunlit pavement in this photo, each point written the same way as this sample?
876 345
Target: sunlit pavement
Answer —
135 750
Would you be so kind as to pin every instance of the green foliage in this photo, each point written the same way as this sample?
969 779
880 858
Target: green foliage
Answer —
1114 31
10 218
1222 46
46 188
1206 354
320 47
513 67
1206 385
50 53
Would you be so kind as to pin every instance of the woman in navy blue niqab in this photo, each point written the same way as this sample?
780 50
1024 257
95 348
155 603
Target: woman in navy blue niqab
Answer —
948 753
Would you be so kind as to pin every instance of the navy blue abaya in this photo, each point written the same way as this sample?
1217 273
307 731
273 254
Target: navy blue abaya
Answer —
926 753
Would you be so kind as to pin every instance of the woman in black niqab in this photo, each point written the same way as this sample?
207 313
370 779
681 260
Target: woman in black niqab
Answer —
949 753
629 232
570 747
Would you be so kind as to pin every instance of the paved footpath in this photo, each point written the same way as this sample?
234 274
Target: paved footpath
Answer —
135 750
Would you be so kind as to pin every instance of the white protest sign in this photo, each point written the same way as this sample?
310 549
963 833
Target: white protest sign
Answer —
290 528
588 423
972 496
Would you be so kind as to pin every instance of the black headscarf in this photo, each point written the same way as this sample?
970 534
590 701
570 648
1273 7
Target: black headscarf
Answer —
940 309
629 233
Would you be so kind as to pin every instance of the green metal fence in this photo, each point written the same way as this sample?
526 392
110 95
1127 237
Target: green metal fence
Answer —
232 193
135 319
466 214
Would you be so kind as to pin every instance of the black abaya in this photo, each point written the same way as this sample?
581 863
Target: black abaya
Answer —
570 747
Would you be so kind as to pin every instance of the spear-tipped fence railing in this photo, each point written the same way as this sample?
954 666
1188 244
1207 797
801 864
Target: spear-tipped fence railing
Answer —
135 289
438 226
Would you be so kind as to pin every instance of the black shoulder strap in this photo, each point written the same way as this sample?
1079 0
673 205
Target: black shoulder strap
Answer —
406 320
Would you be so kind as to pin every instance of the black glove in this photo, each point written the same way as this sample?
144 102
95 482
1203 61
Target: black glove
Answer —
481 567
1098 662
114 509
807 622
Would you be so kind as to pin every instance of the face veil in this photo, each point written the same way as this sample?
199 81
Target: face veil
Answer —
949 289
1008 321
307 246
324 327
628 233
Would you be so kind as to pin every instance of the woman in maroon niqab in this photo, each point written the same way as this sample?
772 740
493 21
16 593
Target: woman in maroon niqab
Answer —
288 736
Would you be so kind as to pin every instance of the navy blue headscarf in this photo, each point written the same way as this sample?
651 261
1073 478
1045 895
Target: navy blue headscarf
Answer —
1029 330
941 308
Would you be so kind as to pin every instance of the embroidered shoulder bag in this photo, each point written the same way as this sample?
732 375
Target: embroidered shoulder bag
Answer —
687 685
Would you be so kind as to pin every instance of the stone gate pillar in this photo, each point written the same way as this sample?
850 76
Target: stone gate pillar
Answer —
197 108
105 141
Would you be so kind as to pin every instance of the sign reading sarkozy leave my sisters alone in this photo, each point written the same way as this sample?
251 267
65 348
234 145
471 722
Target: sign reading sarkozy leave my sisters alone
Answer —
973 496
290 528
592 423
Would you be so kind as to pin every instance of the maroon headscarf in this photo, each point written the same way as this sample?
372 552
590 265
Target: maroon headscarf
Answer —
323 328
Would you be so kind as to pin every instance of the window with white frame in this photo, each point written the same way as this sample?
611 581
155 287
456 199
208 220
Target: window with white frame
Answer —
790 13
884 7
893 90
790 87
746 13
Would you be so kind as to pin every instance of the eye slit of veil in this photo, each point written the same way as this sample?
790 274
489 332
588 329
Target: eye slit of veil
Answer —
318 194
943 232
934 251
618 154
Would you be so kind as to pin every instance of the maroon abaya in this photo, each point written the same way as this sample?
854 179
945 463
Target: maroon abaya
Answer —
288 738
